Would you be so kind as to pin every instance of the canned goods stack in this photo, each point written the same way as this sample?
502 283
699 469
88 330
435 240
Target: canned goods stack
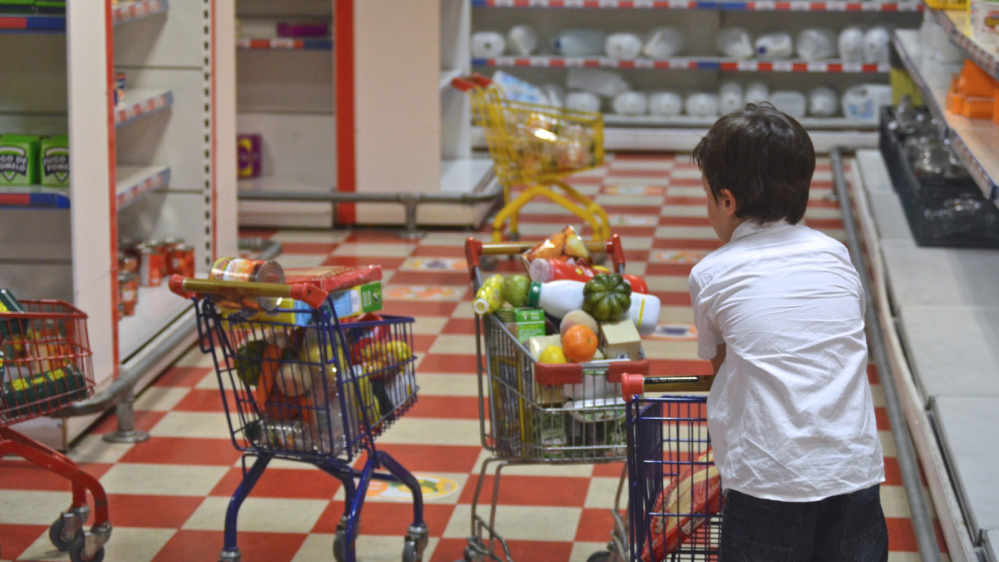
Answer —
147 264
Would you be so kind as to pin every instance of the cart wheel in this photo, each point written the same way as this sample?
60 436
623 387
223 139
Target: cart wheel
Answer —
602 556
76 551
55 535
411 552
340 546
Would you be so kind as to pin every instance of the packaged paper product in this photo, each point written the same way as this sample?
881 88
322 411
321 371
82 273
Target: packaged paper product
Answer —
701 104
665 104
487 44
774 46
600 82
664 42
630 103
816 44
851 44
582 101
555 94
734 42
623 46
876 49
823 102
757 93
864 100
579 42
516 89
984 17
730 97
522 39
790 102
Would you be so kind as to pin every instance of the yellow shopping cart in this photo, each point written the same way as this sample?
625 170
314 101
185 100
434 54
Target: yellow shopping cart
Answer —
536 146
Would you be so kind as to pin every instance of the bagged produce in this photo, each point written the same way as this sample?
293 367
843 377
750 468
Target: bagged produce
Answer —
522 39
774 46
487 45
664 42
623 46
665 104
816 44
563 245
630 103
734 42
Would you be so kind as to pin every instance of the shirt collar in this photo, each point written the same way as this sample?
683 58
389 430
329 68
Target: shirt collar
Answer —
752 227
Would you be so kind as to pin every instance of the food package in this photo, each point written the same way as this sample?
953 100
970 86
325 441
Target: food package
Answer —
55 161
579 42
734 42
250 153
621 340
630 103
823 102
864 101
19 159
524 323
333 277
537 344
664 42
522 39
603 83
701 104
563 245
489 298
487 45
27 393
816 44
515 89
594 386
774 46
695 491
730 97
851 44
790 102
623 46
665 104
757 93
876 46
582 101
357 300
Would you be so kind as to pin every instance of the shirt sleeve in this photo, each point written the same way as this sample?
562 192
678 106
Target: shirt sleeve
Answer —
709 335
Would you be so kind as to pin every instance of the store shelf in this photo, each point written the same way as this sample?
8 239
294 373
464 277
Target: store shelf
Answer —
764 6
271 183
686 63
156 310
32 23
281 44
956 24
140 103
447 75
135 182
974 140
34 197
126 12
706 122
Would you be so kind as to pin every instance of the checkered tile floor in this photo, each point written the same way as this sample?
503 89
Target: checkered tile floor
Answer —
168 496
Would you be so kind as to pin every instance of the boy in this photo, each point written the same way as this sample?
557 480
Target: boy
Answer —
779 310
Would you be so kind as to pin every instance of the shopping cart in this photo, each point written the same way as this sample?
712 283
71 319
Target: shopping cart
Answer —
539 413
302 385
674 490
45 364
537 146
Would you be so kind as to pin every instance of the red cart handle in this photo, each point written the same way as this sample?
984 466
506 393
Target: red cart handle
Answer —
474 250
469 83
633 385
309 294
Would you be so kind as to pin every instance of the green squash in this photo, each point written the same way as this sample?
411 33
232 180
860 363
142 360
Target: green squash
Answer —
606 297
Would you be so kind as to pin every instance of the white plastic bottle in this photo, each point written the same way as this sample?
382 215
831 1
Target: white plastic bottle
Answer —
558 298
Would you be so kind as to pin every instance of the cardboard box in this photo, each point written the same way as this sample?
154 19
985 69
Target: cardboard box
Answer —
621 340
524 323
55 161
357 300
19 160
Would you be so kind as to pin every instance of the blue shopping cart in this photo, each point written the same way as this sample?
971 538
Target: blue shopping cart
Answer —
300 384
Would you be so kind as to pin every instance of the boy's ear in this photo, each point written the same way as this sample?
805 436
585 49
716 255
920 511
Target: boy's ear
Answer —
727 202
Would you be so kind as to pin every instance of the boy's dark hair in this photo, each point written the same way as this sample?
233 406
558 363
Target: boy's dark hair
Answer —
764 157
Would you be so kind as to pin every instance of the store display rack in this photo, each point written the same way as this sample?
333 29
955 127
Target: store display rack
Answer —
135 182
132 11
958 27
34 197
146 102
761 6
685 63
974 140
286 44
123 13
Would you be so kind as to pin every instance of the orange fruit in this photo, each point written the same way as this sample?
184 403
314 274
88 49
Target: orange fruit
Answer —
579 343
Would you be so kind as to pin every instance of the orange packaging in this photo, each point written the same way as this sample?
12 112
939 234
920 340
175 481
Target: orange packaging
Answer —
995 104
977 108
561 246
975 82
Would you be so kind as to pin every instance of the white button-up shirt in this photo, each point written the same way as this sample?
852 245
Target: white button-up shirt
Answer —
790 413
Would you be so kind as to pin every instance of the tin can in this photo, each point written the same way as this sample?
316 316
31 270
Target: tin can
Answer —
171 241
129 246
162 247
182 260
251 271
150 266
128 263
119 88
128 293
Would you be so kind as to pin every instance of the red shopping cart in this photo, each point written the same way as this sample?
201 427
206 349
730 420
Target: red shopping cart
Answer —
45 364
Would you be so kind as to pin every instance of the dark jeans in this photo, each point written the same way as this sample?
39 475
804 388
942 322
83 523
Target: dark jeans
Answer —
846 528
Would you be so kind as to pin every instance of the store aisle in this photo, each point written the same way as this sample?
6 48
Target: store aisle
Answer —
168 496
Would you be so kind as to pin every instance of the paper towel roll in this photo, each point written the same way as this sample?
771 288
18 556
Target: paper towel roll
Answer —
623 46
876 45
775 45
734 42
601 82
522 39
823 102
630 103
757 93
865 100
816 44
579 43
730 97
790 102
664 42
665 104
487 45
582 101
851 44
701 104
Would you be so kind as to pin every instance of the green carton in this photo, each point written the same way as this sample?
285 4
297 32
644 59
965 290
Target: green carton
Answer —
525 323
19 160
55 161
17 6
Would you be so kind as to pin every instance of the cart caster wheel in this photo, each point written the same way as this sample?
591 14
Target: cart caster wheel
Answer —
57 534
411 552
76 551
471 556
340 546
602 556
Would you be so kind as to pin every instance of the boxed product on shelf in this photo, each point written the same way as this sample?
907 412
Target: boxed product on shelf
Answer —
11 6
50 6
18 159
249 147
55 161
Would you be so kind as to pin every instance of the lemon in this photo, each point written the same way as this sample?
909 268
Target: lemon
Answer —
397 351
552 355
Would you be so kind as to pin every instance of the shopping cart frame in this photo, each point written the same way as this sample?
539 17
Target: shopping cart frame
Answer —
378 464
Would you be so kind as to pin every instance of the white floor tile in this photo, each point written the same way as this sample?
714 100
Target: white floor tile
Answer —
192 424
162 479
531 523
259 514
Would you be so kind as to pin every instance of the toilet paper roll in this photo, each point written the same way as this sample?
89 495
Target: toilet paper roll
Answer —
701 104
600 82
664 42
579 43
630 103
665 104
756 93
816 44
876 45
864 101
487 45
790 102
851 44
775 45
522 39
823 102
623 46
582 101
730 97
734 42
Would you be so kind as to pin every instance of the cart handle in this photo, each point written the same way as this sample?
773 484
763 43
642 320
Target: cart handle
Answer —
469 83
633 385
309 294
475 249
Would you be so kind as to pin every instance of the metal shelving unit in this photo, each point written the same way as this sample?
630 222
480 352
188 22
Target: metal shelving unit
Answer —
685 63
764 5
281 44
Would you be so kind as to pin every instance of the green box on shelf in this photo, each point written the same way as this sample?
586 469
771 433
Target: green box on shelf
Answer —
55 161
11 6
50 6
18 159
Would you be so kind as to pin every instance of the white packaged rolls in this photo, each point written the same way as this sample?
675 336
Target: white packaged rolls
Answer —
851 44
487 45
816 44
734 42
701 104
665 104
623 46
582 101
774 46
664 42
630 103
823 102
579 43
600 82
790 102
876 45
757 93
522 39
865 100
730 97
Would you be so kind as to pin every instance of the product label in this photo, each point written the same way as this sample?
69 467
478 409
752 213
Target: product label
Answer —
13 162
55 162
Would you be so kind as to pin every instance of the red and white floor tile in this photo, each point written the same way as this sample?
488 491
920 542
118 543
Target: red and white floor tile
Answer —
168 496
